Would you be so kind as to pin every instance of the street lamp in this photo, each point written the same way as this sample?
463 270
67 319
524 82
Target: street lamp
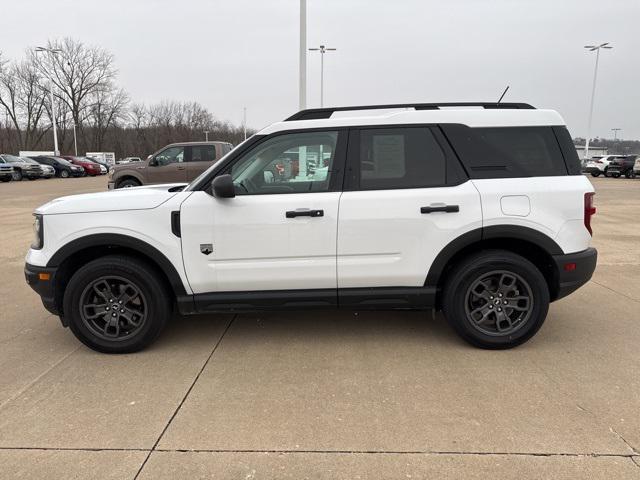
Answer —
206 135
302 85
322 49
53 51
75 140
593 48
615 133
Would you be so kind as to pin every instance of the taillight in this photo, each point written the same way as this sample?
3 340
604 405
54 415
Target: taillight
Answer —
589 210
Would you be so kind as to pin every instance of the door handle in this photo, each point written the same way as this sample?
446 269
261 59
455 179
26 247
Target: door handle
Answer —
440 208
304 213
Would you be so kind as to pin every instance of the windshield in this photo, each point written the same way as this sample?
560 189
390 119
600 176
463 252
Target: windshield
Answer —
196 182
29 160
62 161
13 159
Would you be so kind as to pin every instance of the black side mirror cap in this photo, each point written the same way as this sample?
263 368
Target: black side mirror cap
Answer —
222 186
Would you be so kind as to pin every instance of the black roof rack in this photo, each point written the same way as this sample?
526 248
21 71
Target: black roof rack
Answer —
320 113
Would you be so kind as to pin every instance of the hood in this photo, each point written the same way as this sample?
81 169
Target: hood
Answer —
137 198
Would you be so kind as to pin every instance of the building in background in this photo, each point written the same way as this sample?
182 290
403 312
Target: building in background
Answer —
593 151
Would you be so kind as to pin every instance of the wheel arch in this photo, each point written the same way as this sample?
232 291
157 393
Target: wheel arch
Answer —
70 257
128 176
531 244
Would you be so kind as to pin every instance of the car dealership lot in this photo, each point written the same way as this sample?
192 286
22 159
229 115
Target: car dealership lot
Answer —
326 394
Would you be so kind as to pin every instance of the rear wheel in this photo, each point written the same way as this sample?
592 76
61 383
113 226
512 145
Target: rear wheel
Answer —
7 179
630 174
595 174
496 299
615 175
117 304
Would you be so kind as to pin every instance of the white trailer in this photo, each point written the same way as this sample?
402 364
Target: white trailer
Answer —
35 153
107 157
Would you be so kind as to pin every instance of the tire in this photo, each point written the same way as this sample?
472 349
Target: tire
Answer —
17 175
128 183
595 174
7 179
629 174
103 280
615 175
460 302
64 173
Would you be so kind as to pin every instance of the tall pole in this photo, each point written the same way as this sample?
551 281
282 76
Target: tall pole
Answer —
592 48
615 133
206 135
303 56
75 141
322 49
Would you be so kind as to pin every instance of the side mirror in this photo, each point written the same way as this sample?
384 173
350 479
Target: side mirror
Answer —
152 161
222 186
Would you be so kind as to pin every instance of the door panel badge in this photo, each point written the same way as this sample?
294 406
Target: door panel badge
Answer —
206 248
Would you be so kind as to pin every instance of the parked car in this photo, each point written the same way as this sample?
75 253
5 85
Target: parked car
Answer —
21 168
178 162
599 165
106 166
90 167
46 171
62 167
424 209
129 160
6 172
636 167
622 166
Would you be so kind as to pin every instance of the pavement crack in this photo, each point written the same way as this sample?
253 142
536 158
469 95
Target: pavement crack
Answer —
184 398
616 291
635 461
633 449
37 379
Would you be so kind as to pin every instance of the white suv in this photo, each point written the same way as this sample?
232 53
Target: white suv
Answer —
481 212
599 165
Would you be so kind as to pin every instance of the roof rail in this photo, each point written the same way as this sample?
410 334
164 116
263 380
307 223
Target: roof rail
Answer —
320 113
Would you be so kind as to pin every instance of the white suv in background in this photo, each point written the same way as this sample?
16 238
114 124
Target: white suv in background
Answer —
598 165
481 212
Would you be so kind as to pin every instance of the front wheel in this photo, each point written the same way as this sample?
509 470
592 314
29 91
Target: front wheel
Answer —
495 299
64 174
117 304
630 174
17 175
128 183
595 174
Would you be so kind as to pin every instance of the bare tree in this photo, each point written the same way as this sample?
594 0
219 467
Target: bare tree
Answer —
108 107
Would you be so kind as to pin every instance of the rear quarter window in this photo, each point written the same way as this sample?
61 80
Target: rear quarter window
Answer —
507 152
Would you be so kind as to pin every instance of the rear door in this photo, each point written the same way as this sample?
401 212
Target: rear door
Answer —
199 158
406 198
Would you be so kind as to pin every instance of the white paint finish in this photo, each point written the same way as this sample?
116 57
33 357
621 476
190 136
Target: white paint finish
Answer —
151 226
476 117
516 205
557 204
255 247
384 240
137 198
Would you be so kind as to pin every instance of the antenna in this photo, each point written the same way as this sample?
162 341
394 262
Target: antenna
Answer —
503 94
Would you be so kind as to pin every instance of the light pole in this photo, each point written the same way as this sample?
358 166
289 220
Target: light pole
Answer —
615 133
53 51
244 122
593 48
302 86
322 49
206 135
75 141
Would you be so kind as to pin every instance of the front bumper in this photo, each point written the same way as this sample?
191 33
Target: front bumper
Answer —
574 270
592 170
42 280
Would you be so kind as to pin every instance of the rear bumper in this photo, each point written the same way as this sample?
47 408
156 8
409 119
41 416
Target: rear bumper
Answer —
592 170
44 288
571 278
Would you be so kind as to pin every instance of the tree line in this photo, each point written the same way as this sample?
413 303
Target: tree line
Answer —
86 95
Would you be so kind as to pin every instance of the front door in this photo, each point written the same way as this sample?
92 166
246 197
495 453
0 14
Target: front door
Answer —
168 166
279 232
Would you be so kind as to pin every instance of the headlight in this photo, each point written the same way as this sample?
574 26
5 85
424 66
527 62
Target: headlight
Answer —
38 232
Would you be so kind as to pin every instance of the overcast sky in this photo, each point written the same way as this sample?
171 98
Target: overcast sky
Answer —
236 53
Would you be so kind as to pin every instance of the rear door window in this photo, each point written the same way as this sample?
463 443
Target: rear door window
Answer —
400 157
203 153
507 152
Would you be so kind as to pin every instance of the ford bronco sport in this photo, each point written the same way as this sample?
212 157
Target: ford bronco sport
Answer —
479 212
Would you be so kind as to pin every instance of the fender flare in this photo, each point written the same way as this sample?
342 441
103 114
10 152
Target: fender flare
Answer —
124 241
467 239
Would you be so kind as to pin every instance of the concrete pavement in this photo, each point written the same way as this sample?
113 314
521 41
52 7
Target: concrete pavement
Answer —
326 395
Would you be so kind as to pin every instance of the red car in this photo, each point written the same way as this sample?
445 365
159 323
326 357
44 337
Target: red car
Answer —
90 168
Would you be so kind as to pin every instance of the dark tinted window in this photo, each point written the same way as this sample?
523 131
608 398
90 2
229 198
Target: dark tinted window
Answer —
408 157
203 153
568 150
499 152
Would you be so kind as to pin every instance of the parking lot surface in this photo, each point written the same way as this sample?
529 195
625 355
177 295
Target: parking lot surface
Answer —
326 395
